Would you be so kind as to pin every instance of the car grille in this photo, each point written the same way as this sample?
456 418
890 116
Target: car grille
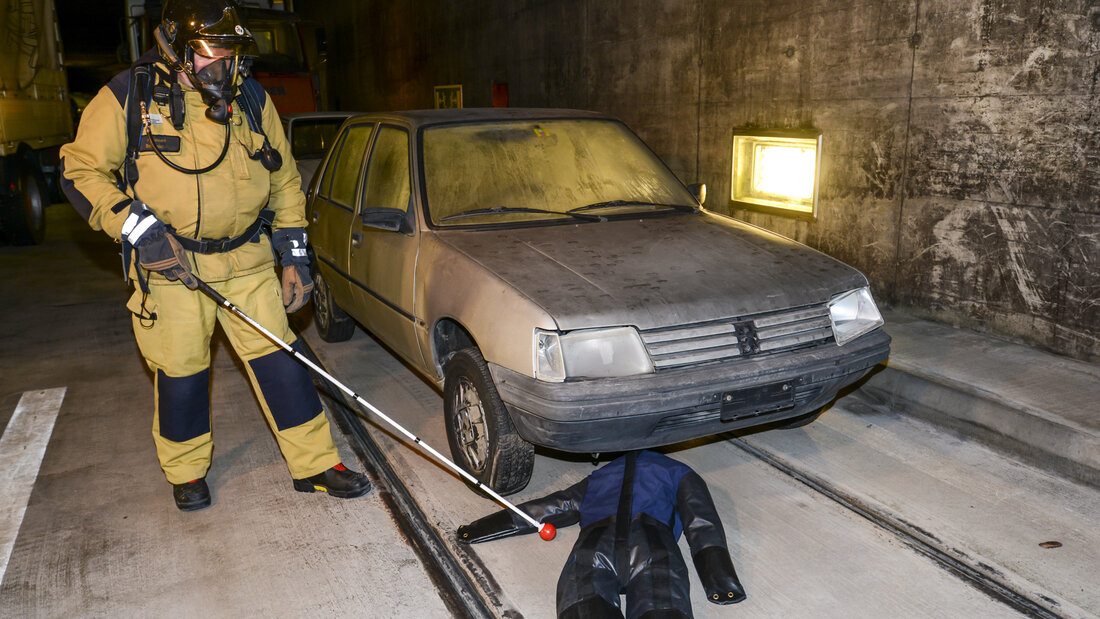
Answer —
718 340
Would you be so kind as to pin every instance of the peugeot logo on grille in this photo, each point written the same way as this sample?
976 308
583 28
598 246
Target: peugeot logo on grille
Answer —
747 339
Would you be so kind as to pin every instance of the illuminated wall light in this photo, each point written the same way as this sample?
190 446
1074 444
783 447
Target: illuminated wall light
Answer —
776 171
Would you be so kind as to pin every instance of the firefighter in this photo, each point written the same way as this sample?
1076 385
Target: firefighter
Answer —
197 145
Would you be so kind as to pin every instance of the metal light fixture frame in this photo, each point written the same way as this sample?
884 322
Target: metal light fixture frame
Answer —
772 206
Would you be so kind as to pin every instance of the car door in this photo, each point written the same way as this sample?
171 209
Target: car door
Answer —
332 213
383 254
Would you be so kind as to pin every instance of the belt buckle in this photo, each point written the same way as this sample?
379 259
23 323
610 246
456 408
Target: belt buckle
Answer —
215 246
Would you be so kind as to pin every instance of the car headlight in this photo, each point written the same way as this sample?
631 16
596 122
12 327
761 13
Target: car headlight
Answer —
590 353
853 314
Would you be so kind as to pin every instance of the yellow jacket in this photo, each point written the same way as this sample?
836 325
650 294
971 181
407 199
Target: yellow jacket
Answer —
217 204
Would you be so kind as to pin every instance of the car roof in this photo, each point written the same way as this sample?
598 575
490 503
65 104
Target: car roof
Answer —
316 115
423 118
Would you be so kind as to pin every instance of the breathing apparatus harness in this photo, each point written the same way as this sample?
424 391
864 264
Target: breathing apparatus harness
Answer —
166 90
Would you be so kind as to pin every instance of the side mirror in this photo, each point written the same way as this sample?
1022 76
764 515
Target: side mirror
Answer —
383 218
699 192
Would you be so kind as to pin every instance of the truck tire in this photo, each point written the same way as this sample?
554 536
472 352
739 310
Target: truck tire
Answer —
480 433
25 216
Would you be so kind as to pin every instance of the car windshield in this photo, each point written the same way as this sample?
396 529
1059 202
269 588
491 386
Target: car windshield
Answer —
310 138
280 48
521 171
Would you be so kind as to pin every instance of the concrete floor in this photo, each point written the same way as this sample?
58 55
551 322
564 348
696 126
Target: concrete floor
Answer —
798 553
101 536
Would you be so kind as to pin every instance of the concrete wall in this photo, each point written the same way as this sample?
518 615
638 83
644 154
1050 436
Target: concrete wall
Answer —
960 136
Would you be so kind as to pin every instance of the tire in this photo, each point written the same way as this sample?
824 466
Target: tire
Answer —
333 324
479 431
804 419
26 216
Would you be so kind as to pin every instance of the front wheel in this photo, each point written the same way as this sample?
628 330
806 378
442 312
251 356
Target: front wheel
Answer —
333 325
479 431
26 217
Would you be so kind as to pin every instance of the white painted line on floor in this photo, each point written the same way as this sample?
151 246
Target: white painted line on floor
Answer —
21 450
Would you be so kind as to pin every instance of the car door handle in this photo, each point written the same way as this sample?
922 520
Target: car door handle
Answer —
316 216
356 239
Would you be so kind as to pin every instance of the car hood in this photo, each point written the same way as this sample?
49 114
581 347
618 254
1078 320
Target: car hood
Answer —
655 272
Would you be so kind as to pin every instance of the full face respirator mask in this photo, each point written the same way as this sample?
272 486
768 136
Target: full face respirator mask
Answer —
217 81
217 84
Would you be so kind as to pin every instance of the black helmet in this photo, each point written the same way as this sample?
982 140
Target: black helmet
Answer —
210 28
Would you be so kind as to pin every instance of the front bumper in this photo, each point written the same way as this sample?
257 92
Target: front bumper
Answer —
636 412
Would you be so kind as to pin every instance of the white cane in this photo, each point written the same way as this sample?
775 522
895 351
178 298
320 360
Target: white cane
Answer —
547 531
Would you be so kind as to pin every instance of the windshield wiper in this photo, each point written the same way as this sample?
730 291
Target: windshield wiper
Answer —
518 209
615 203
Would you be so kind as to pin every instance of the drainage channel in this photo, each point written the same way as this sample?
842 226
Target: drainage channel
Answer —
921 541
459 593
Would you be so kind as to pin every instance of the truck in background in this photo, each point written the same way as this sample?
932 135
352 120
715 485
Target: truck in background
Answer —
35 117
282 66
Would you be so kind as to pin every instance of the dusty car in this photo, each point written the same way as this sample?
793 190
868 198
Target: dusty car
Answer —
310 134
565 289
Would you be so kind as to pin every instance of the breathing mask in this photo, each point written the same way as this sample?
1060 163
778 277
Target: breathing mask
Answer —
217 84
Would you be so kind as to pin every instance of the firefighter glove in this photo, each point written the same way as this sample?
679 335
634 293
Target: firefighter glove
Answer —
157 250
290 243
297 284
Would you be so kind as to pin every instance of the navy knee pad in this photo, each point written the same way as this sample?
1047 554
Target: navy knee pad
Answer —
183 405
287 387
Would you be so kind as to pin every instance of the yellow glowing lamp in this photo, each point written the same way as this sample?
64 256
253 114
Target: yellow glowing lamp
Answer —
776 171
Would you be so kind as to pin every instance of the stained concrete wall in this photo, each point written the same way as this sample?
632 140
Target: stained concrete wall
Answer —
960 152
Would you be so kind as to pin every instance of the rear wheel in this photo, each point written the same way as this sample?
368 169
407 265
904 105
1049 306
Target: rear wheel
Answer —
479 431
333 324
26 216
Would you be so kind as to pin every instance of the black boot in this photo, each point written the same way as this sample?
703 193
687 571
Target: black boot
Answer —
192 495
339 481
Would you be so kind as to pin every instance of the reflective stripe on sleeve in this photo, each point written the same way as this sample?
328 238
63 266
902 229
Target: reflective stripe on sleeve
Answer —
142 227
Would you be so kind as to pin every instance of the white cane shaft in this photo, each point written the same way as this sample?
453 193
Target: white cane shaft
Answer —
503 501
399 427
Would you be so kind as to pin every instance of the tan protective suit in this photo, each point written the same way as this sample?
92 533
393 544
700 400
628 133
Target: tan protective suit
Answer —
218 204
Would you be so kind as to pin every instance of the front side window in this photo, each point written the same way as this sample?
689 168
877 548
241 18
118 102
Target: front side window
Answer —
388 173
522 171
344 170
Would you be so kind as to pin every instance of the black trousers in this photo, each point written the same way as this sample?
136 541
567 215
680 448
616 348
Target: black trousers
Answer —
651 573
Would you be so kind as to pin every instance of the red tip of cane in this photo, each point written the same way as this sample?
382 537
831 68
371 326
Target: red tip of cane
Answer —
547 532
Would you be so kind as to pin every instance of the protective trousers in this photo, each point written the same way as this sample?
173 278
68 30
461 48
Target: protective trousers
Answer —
173 332
655 579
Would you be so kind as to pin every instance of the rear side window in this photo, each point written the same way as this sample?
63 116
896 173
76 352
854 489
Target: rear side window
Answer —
342 173
388 174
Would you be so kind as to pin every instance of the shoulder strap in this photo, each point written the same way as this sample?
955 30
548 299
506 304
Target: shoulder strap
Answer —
253 99
140 91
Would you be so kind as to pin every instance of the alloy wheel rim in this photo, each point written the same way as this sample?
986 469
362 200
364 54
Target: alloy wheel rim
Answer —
321 307
470 425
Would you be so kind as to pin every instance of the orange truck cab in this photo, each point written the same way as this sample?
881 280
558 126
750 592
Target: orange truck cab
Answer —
281 67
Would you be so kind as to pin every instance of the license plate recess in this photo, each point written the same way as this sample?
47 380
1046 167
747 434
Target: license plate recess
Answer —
756 400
